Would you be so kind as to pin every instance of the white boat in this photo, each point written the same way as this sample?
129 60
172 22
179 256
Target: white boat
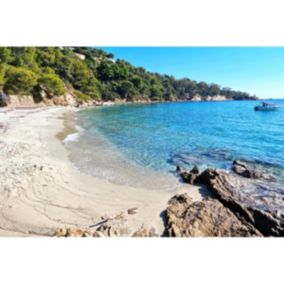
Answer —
266 107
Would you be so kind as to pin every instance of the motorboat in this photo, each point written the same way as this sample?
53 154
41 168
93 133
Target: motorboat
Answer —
266 107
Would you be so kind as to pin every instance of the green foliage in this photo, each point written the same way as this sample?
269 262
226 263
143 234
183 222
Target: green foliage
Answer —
125 88
97 76
3 69
25 57
6 54
19 80
46 56
52 83
81 97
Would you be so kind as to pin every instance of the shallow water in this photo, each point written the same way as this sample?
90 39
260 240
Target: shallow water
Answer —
154 138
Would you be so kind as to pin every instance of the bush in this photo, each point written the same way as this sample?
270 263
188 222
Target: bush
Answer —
19 80
81 97
6 55
52 83
3 68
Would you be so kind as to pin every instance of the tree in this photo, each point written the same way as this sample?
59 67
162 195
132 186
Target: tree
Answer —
6 55
3 68
19 80
214 90
26 57
125 88
46 56
52 83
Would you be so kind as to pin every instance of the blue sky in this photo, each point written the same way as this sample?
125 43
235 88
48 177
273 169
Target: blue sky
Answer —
255 70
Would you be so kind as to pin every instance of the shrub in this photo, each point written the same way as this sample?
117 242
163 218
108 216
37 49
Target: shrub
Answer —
52 83
2 75
19 80
6 55
81 97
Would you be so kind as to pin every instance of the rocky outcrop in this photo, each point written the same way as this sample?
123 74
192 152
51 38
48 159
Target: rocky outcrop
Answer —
199 98
218 183
21 101
196 98
216 98
189 177
207 218
4 100
244 170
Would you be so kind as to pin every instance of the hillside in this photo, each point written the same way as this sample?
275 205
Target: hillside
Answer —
90 74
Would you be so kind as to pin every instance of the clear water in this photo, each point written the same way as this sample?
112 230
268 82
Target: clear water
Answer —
157 136
141 144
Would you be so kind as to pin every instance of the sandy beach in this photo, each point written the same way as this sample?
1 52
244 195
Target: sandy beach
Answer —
42 191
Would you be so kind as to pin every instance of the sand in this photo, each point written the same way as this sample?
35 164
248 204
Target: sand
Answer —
41 190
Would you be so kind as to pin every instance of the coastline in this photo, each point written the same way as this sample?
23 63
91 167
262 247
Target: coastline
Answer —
42 191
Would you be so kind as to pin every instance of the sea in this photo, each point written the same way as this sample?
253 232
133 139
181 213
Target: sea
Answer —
141 144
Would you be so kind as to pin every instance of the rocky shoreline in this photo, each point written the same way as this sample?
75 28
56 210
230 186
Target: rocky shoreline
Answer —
224 213
70 100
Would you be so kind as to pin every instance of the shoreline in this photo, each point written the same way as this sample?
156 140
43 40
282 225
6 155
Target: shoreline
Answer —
42 191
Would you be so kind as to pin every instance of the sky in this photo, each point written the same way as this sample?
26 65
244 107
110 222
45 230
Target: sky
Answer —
256 70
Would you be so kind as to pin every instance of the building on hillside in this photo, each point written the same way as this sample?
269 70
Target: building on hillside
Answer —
80 56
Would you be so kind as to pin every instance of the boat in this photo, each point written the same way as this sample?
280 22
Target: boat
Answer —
266 107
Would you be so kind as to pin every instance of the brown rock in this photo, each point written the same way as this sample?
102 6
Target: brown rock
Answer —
131 211
62 232
190 177
267 223
143 232
244 170
218 183
206 218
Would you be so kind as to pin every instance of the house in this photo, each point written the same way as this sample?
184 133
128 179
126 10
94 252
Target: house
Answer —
80 56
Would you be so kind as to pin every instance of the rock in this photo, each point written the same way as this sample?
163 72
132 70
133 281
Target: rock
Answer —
4 99
59 100
244 170
190 177
131 211
178 169
75 233
218 183
267 223
98 234
143 232
62 232
206 218
71 232
114 227
195 170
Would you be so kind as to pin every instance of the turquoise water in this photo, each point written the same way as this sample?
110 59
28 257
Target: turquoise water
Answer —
159 136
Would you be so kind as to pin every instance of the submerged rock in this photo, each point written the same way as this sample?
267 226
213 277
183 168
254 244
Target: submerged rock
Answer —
206 218
244 170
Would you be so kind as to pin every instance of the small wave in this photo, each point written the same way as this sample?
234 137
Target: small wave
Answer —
71 137
74 136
